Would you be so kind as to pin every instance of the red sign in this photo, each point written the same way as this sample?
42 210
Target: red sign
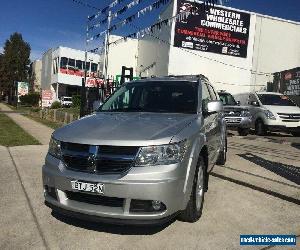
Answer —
46 95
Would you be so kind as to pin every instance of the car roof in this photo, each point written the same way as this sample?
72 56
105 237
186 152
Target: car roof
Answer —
181 78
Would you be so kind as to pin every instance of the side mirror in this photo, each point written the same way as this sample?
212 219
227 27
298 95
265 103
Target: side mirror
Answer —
238 103
214 107
254 103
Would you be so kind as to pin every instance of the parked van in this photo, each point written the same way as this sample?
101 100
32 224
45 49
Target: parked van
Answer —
272 112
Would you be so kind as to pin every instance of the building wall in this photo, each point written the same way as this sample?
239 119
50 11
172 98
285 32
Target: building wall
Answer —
46 70
36 69
225 72
153 53
273 46
122 54
277 48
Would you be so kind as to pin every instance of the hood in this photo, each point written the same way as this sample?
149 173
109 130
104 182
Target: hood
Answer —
124 129
283 109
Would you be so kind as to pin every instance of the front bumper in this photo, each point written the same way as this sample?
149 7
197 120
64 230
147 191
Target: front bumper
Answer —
278 125
238 122
165 184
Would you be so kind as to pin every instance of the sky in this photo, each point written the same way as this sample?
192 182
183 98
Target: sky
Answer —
45 24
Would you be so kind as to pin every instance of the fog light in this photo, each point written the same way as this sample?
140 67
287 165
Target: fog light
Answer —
156 205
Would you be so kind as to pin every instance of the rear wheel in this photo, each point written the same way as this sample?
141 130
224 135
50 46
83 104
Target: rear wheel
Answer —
243 131
193 210
260 128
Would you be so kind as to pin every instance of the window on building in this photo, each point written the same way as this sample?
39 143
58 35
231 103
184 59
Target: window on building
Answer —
63 62
79 64
71 63
55 66
94 67
87 66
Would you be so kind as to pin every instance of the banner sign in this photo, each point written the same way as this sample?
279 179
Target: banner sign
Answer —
47 98
23 88
212 29
290 82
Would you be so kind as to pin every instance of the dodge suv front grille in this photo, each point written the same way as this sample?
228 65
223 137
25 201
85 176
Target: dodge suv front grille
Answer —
98 159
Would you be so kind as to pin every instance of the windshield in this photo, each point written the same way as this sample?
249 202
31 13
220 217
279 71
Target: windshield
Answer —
227 99
163 97
277 100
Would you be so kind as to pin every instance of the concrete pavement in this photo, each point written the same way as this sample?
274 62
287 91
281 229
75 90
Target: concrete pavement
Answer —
244 197
41 132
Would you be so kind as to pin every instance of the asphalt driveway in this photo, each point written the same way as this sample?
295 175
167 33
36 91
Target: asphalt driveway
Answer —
249 195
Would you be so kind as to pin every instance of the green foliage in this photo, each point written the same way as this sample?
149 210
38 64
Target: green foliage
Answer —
14 63
55 105
13 135
76 99
31 99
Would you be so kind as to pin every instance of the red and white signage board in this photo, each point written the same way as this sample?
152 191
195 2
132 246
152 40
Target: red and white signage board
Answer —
47 98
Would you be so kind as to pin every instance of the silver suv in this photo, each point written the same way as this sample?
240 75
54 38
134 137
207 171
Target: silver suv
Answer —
143 157
236 116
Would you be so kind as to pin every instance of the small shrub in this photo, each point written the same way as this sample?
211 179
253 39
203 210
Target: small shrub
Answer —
31 99
35 110
76 100
55 105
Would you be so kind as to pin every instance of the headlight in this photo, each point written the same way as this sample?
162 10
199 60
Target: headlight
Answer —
54 148
161 155
269 115
245 113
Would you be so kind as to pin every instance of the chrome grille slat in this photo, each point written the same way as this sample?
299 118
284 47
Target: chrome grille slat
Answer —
289 117
98 159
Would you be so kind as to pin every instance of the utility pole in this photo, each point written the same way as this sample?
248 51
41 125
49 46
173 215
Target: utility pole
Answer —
106 47
83 96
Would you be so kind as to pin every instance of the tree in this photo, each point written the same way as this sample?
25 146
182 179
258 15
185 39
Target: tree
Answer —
14 63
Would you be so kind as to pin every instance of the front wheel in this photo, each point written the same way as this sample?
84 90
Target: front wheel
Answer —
260 128
193 210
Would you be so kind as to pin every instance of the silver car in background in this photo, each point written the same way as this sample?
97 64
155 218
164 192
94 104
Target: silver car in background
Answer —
236 116
143 158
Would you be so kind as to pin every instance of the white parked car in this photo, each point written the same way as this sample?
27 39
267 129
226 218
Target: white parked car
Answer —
66 101
272 112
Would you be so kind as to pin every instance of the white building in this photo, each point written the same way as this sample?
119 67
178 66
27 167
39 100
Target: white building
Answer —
237 50
63 70
36 74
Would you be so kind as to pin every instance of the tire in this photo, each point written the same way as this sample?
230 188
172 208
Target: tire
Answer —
193 210
296 134
260 128
243 131
222 155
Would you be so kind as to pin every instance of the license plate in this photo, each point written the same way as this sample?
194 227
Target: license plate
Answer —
233 120
88 187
